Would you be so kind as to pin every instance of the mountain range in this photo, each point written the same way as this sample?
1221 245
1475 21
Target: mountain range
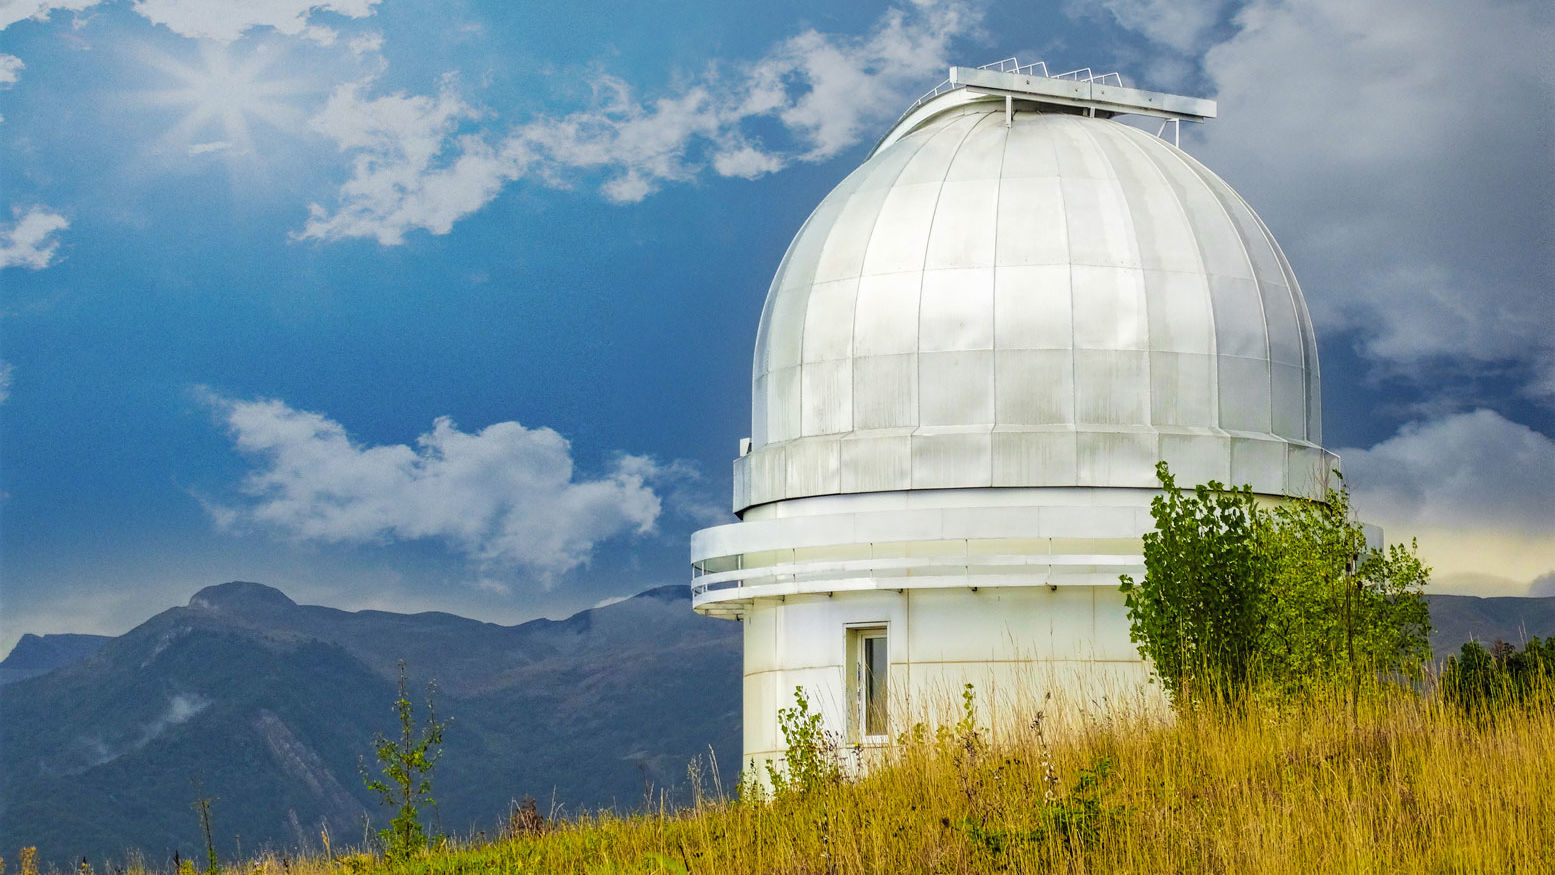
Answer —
269 708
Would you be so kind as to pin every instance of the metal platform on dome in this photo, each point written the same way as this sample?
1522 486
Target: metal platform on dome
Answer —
1102 95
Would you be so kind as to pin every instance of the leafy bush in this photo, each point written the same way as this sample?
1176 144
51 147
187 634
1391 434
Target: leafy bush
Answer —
1292 600
810 759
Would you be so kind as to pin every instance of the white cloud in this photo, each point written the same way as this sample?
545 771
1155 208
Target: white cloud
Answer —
507 496
205 148
11 68
12 11
6 371
1177 24
30 242
1399 150
1477 489
422 162
412 167
227 20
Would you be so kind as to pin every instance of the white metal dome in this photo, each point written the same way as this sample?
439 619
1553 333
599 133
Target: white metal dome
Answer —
1039 299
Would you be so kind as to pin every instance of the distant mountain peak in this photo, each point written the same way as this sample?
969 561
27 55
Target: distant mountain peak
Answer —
240 597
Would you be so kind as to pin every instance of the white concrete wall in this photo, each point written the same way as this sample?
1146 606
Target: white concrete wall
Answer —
1014 644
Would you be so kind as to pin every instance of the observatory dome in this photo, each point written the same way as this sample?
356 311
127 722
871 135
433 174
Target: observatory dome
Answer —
1039 299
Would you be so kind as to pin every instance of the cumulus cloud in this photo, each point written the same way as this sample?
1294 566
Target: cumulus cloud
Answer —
222 20
421 162
414 165
506 496
1177 24
11 68
12 11
1399 149
1476 488
226 20
30 242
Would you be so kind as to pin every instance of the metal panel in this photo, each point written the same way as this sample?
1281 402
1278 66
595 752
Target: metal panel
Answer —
1034 386
768 474
1244 393
886 316
842 255
759 402
1220 246
1035 458
1180 316
1109 307
1111 387
827 397
1034 308
1260 463
1100 231
885 391
956 312
1239 326
964 224
1028 148
828 330
1161 229
901 234
1306 471
1279 316
1077 155
1289 402
783 405
876 463
981 155
813 467
742 483
1182 389
1116 458
785 330
1197 458
1032 227
934 157
955 388
950 459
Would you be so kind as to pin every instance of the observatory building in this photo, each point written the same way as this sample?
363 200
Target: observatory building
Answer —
970 360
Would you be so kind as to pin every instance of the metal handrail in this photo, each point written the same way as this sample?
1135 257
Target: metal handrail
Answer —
1013 65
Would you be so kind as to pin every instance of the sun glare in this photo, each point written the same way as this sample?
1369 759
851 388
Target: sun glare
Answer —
222 96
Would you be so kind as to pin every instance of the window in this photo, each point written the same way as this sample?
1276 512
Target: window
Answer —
870 663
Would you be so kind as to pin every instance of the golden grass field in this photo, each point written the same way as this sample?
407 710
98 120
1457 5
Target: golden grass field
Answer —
1402 784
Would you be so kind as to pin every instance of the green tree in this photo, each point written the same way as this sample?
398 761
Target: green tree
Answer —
1482 682
1338 611
1290 599
1198 612
407 763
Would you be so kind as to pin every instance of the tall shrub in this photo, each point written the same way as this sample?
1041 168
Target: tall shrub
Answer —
1197 613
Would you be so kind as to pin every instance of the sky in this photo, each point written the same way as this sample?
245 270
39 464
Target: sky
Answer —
450 305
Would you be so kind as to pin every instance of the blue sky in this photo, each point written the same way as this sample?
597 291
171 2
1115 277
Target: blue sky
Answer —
449 306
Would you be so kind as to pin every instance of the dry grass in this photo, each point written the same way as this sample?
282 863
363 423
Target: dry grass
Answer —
1406 785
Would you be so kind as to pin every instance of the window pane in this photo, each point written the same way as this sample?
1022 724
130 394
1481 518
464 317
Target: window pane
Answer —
875 672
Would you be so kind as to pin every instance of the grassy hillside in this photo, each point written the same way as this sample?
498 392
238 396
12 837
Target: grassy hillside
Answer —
1407 785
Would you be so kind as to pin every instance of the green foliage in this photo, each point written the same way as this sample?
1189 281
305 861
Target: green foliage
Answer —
810 759
1337 610
407 763
1481 682
1198 612
1290 600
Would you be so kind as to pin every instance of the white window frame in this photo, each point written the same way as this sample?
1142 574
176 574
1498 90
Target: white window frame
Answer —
858 683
